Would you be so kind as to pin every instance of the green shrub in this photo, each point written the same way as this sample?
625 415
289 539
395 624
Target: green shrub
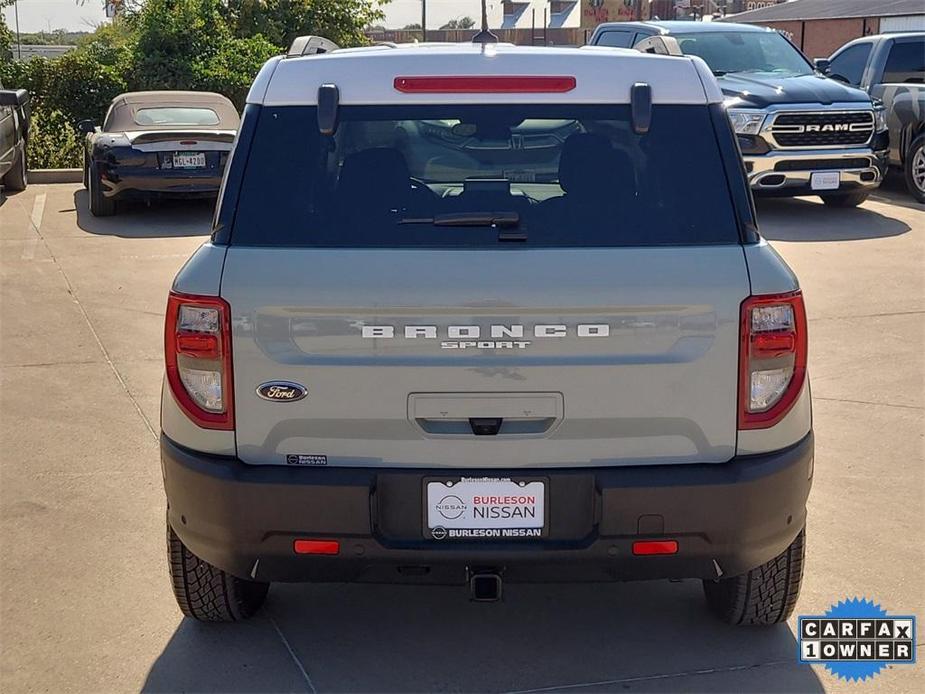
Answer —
231 70
54 143
81 85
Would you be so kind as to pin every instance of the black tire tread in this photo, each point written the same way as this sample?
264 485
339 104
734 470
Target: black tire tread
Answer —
765 595
100 205
16 179
207 593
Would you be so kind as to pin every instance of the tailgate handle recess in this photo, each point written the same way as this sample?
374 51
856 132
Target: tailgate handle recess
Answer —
485 414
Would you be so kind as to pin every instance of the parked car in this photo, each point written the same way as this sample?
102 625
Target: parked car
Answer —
14 135
599 374
168 143
891 68
800 133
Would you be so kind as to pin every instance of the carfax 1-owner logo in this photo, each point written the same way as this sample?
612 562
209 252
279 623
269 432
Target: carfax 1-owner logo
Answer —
856 639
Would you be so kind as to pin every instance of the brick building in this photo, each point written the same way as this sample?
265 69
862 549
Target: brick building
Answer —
818 27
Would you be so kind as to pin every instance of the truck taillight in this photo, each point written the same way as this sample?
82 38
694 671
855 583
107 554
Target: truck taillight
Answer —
772 358
197 350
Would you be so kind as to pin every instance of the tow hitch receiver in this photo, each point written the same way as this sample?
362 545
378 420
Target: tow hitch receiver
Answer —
485 586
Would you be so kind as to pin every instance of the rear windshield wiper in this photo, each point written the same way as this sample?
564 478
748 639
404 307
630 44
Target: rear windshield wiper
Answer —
503 221
468 219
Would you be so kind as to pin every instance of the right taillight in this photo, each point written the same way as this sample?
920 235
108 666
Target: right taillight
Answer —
197 352
772 358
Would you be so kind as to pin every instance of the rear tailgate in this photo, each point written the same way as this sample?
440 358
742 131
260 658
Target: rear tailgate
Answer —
651 377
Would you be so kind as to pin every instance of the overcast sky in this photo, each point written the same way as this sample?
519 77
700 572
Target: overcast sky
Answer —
38 15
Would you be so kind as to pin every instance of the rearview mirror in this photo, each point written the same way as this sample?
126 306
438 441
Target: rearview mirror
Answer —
822 65
13 97
86 126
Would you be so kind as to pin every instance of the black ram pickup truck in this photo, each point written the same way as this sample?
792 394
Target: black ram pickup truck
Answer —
800 133
891 68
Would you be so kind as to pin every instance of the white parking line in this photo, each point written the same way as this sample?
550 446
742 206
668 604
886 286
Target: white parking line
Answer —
38 211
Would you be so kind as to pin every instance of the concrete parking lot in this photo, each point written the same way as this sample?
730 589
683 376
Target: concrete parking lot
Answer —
86 604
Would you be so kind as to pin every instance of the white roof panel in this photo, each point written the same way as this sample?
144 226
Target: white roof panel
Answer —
367 77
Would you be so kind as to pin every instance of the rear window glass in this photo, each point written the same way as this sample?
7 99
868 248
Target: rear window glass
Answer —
176 115
478 176
906 63
728 52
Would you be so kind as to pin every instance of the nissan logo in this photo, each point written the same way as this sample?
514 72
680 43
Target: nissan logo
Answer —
281 391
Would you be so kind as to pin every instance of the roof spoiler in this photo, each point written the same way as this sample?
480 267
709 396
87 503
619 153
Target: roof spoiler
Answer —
311 45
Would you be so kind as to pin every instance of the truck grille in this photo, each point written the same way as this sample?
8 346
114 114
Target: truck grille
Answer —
821 129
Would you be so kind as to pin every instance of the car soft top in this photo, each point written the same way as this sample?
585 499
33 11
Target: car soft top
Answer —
121 116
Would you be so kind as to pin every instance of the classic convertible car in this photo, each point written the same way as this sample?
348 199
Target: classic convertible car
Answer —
167 143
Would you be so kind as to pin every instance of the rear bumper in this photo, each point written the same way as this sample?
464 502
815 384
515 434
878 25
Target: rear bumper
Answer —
729 517
124 184
789 172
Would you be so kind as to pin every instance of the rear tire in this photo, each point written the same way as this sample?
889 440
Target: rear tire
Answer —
763 596
844 199
207 593
914 168
17 178
100 205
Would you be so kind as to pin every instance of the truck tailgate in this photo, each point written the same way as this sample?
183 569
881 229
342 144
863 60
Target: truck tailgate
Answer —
588 357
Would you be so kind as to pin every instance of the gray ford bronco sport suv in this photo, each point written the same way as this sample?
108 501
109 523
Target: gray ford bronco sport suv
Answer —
483 313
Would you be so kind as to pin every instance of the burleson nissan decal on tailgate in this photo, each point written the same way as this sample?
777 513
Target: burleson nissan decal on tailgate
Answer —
499 341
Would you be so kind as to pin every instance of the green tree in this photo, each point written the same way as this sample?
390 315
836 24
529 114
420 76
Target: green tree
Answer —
6 36
460 23
280 21
190 44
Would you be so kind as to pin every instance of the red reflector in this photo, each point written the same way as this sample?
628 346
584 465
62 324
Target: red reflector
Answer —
198 345
767 345
316 546
655 547
490 84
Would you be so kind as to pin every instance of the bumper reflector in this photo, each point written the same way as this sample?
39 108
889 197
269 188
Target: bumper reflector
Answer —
316 546
647 547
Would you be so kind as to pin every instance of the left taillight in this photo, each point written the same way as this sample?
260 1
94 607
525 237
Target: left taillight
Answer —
772 358
197 351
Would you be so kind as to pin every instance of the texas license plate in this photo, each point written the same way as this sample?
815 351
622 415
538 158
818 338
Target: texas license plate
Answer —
189 160
824 180
475 508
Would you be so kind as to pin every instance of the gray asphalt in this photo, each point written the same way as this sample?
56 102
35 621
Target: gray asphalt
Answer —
85 604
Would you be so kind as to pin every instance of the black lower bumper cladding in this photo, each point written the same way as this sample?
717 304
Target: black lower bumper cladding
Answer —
726 518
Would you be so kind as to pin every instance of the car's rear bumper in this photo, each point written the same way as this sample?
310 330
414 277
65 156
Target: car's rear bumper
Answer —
727 518
158 182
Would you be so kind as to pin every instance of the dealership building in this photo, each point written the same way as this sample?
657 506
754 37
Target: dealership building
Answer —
819 27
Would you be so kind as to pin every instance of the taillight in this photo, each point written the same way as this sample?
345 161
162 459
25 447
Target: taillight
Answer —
197 350
772 358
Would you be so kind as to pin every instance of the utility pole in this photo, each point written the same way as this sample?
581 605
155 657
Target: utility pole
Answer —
18 40
424 20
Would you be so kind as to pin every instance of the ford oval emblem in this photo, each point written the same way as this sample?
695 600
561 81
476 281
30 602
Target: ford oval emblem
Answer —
281 391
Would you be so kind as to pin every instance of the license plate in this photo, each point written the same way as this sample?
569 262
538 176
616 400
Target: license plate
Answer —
824 180
189 160
476 508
